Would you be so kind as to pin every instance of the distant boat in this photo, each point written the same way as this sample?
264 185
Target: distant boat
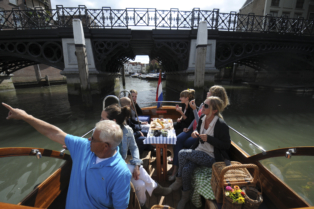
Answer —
135 75
155 76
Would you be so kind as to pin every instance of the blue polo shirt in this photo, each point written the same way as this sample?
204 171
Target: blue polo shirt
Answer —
102 185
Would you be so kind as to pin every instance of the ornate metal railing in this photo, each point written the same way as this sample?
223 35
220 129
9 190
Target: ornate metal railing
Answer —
174 19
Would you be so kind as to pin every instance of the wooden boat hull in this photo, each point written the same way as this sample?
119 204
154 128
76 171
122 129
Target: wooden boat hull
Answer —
47 191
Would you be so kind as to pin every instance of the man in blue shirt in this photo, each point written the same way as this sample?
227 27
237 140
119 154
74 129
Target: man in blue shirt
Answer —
99 178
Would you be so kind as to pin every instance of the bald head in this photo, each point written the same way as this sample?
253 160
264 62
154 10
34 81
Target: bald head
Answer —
125 101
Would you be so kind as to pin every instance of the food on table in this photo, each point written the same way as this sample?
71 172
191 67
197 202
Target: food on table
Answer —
158 124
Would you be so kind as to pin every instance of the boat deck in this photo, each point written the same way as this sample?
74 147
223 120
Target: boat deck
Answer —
171 200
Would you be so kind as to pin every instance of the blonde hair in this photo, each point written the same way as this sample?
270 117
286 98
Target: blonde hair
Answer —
188 93
216 104
220 92
110 132
133 91
125 101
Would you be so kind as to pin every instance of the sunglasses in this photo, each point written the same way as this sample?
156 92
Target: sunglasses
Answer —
206 106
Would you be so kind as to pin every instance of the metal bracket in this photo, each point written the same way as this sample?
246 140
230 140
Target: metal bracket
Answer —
290 151
37 152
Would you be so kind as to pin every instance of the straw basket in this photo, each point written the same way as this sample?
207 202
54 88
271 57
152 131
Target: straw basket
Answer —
161 207
235 174
253 198
227 203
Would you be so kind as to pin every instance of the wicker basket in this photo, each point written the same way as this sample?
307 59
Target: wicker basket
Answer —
235 174
227 203
253 198
161 207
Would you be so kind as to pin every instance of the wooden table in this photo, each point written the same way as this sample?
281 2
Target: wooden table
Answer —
161 144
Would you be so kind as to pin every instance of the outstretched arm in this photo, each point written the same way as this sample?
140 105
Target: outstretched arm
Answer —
52 132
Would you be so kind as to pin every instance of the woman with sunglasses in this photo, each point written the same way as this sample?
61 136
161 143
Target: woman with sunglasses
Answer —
212 145
140 178
184 139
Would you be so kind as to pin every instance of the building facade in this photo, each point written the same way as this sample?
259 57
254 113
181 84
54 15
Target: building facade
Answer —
280 8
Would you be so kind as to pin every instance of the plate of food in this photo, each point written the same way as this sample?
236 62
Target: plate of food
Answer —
158 124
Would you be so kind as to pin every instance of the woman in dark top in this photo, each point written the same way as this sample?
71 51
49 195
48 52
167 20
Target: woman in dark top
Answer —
133 96
187 115
212 146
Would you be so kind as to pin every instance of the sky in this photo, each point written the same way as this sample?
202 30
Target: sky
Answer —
225 6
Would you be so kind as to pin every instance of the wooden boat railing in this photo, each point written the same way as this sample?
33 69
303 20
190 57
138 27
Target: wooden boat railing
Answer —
47 191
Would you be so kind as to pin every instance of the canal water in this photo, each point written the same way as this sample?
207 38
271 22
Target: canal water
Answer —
271 119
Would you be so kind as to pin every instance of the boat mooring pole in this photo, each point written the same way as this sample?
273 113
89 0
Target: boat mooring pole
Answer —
201 49
234 71
80 50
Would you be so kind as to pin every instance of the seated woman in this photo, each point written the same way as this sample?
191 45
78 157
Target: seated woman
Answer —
138 135
186 111
140 178
212 146
184 139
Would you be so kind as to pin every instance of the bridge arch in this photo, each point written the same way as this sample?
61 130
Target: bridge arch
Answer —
15 55
260 55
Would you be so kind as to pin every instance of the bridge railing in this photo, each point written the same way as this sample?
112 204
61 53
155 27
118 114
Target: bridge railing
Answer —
151 18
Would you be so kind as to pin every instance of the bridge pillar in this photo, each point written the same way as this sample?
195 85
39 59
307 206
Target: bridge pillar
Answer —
181 80
6 82
100 82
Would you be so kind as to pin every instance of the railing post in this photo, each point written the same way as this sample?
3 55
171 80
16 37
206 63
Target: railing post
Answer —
217 18
60 17
192 19
251 15
155 18
178 11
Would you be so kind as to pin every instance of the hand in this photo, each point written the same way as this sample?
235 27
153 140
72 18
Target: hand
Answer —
178 120
136 172
192 104
15 113
64 147
144 123
195 134
185 129
178 109
141 133
203 137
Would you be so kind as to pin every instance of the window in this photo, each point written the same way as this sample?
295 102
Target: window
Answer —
274 13
285 14
311 16
13 2
275 3
299 4
297 15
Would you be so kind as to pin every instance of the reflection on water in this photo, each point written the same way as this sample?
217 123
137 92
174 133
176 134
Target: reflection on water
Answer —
297 172
271 119
19 175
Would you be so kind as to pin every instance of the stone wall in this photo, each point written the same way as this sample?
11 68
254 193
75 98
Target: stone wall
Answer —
27 75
